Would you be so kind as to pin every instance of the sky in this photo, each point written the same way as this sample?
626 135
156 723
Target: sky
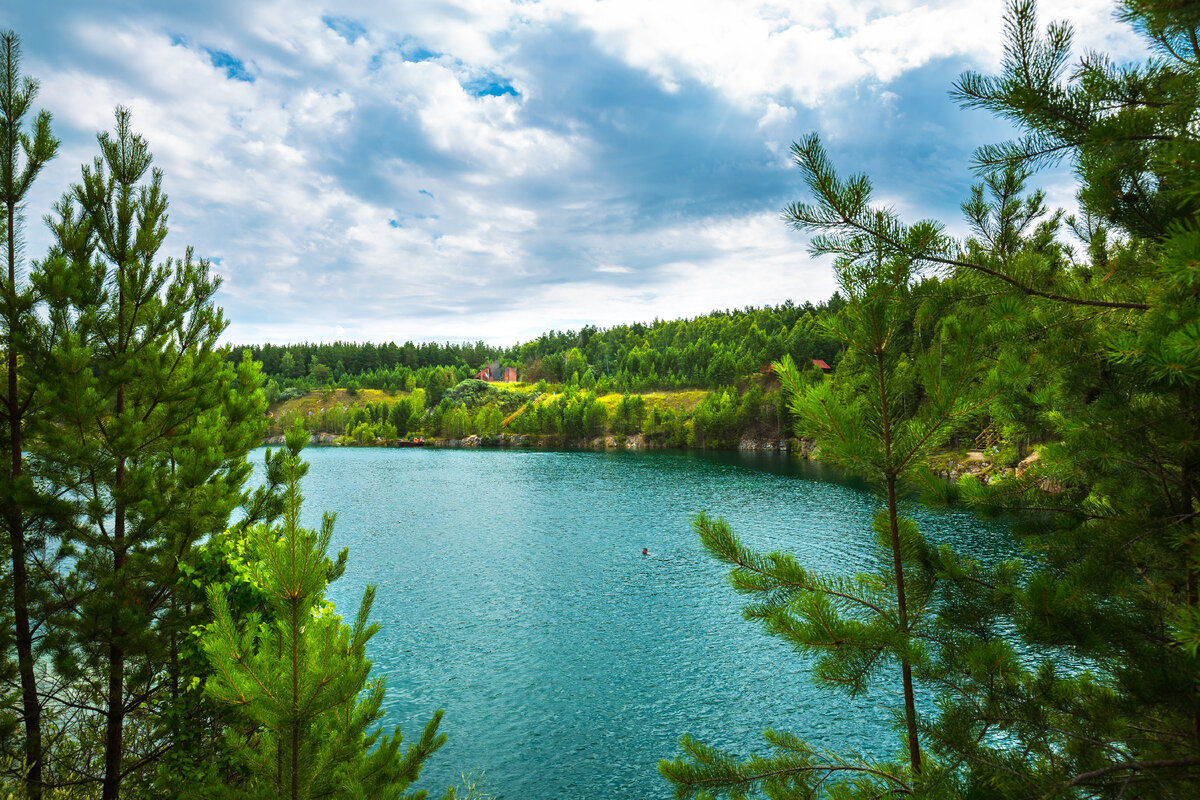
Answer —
463 170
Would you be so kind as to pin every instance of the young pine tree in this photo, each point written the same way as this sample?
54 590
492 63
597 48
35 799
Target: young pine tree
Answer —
1101 700
150 436
1118 586
1109 379
857 625
23 153
298 676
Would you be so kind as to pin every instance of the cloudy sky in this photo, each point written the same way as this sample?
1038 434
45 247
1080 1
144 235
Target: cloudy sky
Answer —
491 169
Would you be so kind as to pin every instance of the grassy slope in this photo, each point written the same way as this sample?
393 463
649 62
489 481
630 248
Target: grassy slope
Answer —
323 401
684 400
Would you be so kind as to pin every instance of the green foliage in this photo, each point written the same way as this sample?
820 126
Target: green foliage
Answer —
595 419
715 423
319 373
865 622
630 411
711 351
1073 674
1129 129
144 447
298 677
850 628
473 393
131 428
24 151
291 393
287 366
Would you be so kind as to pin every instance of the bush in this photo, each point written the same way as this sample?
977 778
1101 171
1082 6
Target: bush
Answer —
291 393
474 393
470 393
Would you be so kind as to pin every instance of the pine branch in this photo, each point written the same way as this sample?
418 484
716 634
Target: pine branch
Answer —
776 572
1090 778
844 206
795 770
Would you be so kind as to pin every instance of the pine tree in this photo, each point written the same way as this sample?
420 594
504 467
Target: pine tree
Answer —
1128 130
298 676
23 153
151 433
1075 676
856 625
1116 393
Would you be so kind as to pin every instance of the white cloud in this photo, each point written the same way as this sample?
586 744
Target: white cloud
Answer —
322 112
486 131
776 115
738 261
305 181
759 54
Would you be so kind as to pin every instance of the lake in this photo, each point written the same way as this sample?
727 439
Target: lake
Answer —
512 591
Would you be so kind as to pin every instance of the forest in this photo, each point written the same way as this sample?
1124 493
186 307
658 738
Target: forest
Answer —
705 382
167 631
545 416
708 352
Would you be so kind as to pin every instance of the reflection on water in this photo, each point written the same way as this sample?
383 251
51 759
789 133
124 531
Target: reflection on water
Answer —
512 592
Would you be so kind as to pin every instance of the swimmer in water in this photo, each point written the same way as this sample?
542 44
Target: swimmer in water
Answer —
645 552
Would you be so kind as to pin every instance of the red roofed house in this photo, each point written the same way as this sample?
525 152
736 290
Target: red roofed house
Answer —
821 365
494 373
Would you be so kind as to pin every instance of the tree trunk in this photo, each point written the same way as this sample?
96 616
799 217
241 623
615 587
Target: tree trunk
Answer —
910 705
295 721
1190 549
31 709
115 722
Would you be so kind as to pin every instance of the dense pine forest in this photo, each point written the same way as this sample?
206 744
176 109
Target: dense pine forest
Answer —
167 631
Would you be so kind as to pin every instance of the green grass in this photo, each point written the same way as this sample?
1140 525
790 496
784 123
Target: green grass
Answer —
323 401
684 400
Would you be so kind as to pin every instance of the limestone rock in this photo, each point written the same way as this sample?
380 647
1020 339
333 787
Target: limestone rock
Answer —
1027 462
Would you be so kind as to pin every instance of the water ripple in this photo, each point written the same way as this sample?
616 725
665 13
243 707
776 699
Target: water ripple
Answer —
512 592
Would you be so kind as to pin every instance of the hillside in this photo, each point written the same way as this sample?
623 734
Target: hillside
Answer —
709 352
545 414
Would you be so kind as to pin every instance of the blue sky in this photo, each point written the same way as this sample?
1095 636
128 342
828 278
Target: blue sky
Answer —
491 169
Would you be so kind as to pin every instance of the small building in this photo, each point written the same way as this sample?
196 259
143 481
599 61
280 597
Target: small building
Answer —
821 365
494 373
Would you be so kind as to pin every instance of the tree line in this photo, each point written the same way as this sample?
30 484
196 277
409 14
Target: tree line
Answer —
711 351
558 416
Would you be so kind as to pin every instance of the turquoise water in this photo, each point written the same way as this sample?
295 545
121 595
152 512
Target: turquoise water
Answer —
513 593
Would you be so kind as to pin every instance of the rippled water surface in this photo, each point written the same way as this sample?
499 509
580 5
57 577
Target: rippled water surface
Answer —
512 592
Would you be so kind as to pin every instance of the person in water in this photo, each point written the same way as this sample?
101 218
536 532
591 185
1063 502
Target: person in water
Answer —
645 552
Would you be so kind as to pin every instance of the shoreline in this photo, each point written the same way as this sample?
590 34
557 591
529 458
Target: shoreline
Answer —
949 466
528 441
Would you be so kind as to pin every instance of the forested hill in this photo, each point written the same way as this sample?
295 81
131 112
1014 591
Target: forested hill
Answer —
708 351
